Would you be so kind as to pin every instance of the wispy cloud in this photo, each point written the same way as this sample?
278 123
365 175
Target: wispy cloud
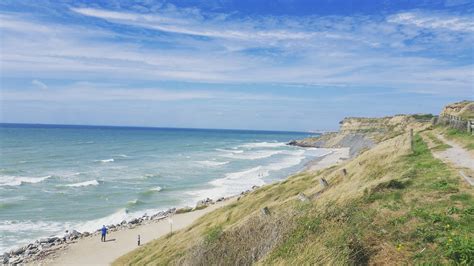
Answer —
409 50
39 84
434 21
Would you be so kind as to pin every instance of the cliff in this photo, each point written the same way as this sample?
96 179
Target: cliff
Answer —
464 110
394 204
360 133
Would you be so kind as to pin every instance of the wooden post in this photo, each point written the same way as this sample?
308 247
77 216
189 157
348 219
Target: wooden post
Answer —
412 144
468 126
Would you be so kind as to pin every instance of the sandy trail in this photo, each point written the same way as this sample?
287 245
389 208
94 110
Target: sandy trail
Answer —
91 251
458 157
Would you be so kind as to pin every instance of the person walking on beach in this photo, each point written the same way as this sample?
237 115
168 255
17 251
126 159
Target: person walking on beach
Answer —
104 233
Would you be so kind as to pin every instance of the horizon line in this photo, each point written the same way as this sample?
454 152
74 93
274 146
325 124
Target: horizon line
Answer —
159 127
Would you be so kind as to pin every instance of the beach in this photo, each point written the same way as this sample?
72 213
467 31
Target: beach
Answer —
89 250
92 251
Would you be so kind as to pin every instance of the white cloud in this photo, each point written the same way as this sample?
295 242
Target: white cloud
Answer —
328 51
39 84
215 29
433 21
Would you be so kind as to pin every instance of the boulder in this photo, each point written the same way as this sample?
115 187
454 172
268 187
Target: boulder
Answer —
323 182
220 199
302 197
18 251
265 211
134 221
15 261
5 258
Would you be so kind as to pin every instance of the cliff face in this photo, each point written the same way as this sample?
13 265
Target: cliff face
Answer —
360 133
464 110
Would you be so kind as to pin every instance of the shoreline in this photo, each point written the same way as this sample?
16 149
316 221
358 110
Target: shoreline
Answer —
71 247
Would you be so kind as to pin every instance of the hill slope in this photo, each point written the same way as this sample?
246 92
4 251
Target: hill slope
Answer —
393 206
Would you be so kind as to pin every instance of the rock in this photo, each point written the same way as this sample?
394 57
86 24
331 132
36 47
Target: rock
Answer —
18 251
265 211
323 182
123 222
52 239
220 199
344 171
5 258
302 197
15 261
86 234
204 203
134 221
255 187
46 245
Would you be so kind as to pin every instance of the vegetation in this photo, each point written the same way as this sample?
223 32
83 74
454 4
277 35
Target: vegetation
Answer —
394 206
463 137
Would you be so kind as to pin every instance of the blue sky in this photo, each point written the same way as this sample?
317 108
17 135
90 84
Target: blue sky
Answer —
248 64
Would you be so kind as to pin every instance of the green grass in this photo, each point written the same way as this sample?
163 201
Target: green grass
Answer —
425 218
392 208
439 145
463 137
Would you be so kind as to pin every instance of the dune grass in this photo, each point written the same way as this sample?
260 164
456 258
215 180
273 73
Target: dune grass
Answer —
392 207
462 137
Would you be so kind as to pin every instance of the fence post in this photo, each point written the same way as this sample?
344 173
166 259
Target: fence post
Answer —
468 126
411 140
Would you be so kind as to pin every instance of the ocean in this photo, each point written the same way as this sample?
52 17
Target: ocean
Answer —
56 178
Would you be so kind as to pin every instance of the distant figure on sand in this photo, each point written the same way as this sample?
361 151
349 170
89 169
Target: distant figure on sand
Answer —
104 233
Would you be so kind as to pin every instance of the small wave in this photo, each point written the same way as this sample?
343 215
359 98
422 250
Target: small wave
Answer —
83 184
20 180
148 176
234 150
253 155
134 202
263 145
105 160
211 163
156 189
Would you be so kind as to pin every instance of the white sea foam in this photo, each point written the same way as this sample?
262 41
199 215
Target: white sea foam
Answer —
156 189
19 180
32 228
83 184
235 182
263 145
105 160
93 225
211 163
254 155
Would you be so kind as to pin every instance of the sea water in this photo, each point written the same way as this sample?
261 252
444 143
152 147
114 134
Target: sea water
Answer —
57 178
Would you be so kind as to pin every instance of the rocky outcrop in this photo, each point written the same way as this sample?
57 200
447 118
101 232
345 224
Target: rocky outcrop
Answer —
464 110
359 133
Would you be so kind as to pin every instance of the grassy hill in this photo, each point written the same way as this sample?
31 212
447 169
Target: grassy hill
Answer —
391 205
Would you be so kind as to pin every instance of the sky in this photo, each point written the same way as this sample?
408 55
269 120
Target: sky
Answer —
241 64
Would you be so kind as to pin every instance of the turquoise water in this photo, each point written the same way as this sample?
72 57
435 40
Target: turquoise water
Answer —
57 178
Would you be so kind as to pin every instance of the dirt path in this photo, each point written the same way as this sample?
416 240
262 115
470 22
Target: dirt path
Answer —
458 157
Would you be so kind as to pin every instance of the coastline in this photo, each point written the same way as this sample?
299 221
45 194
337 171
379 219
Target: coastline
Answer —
71 248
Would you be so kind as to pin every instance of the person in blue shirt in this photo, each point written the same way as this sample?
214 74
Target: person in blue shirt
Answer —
104 233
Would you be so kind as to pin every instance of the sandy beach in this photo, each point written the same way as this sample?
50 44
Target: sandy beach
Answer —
91 251
336 156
